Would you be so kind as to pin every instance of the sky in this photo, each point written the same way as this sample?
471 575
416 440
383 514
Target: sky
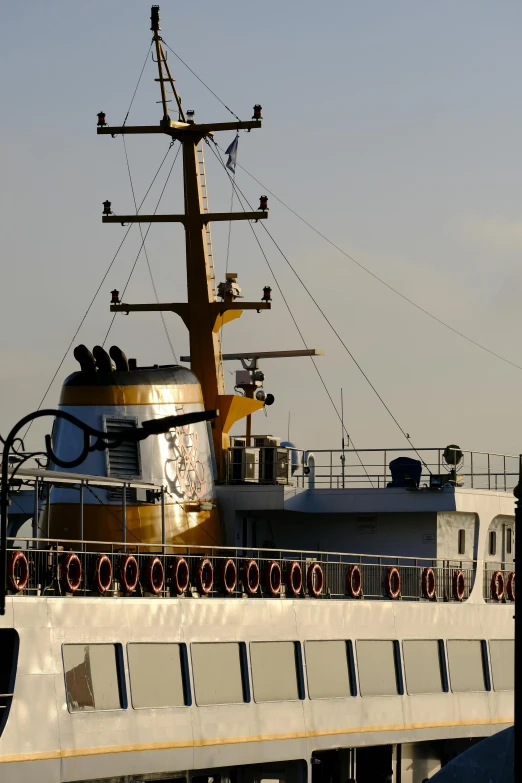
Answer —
393 128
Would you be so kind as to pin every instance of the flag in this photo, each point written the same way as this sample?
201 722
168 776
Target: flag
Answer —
232 155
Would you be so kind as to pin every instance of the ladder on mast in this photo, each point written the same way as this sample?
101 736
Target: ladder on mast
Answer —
204 199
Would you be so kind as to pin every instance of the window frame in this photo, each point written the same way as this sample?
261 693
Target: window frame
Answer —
120 675
492 538
444 677
485 665
298 658
185 678
461 543
244 670
397 660
352 681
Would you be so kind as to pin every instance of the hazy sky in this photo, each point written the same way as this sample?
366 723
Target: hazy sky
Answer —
393 127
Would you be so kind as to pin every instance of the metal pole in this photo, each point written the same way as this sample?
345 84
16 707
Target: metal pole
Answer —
518 639
81 516
163 532
35 513
124 518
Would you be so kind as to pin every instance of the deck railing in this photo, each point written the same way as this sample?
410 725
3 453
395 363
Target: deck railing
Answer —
368 468
46 562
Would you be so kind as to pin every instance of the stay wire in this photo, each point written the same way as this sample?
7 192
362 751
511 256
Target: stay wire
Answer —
350 354
94 298
380 279
138 84
201 80
147 255
143 242
292 315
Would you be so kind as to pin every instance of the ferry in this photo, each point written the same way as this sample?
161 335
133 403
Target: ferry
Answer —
184 604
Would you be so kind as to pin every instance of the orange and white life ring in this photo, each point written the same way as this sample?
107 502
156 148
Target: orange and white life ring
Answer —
510 587
428 583
251 576
129 574
273 578
18 571
315 580
179 579
204 576
353 581
228 575
497 586
71 573
392 582
154 575
294 577
102 574
459 585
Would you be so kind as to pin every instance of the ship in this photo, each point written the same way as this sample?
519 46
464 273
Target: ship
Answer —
185 604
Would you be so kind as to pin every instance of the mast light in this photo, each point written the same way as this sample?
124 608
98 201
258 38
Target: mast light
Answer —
257 112
263 203
107 208
267 294
155 18
101 119
115 296
190 116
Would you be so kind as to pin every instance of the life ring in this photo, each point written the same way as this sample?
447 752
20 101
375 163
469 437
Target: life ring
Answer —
18 570
510 587
251 576
129 574
428 583
204 576
315 580
154 575
392 582
179 579
228 575
71 575
353 581
294 577
102 573
497 586
459 585
273 578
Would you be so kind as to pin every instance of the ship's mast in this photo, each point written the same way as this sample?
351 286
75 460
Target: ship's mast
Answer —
202 314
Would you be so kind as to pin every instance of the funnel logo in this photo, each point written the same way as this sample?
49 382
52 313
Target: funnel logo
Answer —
184 471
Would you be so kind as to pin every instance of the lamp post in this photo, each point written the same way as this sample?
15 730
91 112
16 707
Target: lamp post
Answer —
518 639
93 440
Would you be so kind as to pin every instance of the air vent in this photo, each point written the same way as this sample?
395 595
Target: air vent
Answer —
124 460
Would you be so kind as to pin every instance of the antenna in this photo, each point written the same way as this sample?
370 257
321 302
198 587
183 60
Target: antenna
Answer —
343 458
288 433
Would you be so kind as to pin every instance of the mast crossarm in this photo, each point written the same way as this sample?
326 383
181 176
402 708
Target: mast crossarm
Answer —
206 217
179 129
180 308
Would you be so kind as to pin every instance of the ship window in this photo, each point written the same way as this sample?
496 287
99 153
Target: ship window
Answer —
328 669
220 675
94 677
492 543
462 542
158 675
423 666
276 671
9 645
502 654
509 539
466 665
378 670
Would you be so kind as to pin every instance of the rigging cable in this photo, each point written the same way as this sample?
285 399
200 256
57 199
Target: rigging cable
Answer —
291 313
94 297
138 83
143 242
201 80
147 256
334 330
380 279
